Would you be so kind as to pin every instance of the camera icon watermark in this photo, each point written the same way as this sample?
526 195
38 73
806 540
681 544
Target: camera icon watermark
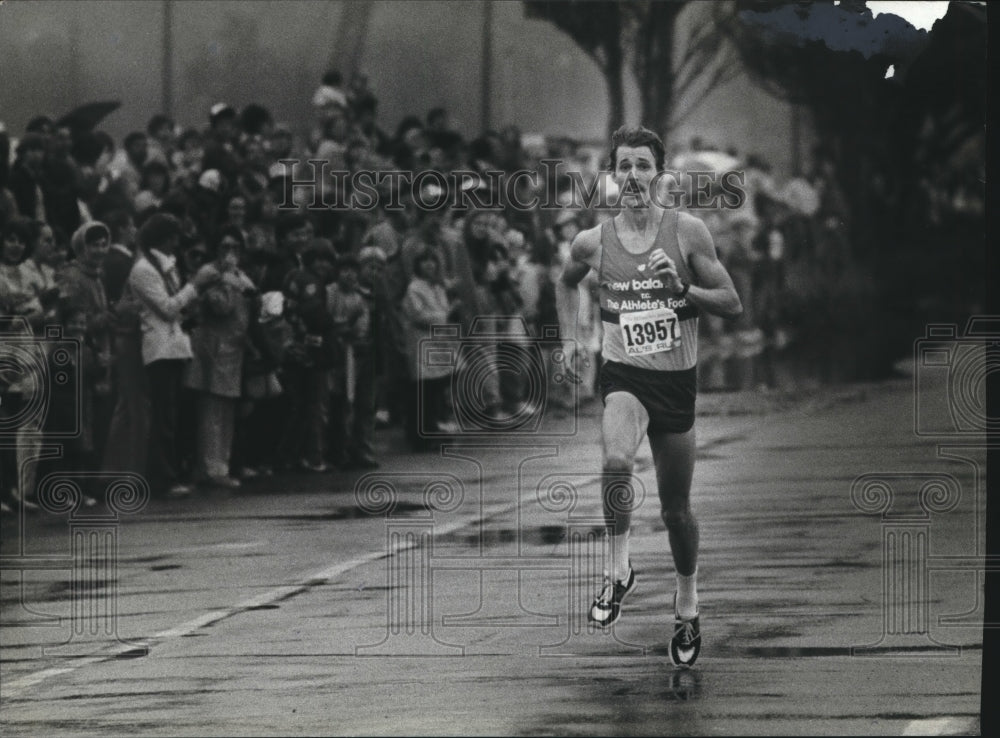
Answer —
92 561
441 600
950 378
34 369
499 349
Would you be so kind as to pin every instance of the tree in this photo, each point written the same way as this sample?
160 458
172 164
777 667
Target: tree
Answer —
596 27
643 36
900 113
878 125
676 70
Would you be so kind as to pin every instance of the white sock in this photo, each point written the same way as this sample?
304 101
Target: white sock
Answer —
619 556
687 595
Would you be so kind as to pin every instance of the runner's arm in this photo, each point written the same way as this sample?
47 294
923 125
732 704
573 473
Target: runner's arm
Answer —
582 253
715 292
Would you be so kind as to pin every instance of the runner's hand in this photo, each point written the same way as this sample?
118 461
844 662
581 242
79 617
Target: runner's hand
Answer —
577 361
665 268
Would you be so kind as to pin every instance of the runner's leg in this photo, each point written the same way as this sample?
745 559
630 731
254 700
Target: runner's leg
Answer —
673 457
623 425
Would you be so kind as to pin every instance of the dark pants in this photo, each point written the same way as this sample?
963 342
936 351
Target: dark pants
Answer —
365 403
338 442
164 379
255 434
307 395
128 435
426 409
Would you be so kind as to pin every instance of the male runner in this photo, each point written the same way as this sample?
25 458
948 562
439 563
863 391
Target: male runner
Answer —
657 269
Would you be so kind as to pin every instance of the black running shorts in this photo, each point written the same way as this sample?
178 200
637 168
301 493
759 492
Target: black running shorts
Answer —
668 396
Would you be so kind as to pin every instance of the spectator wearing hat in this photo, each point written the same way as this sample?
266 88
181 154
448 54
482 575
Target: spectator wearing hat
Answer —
218 343
156 282
349 312
329 99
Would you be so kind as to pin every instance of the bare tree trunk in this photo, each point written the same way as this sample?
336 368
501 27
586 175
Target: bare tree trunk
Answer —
654 64
613 72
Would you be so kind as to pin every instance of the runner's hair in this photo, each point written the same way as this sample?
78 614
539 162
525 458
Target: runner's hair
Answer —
635 137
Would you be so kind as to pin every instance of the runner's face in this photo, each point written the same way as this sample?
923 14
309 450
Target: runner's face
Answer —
634 170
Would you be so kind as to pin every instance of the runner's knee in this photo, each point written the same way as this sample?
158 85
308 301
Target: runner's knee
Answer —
617 464
677 519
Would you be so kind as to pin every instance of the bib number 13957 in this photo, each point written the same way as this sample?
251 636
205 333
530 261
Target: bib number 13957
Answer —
649 331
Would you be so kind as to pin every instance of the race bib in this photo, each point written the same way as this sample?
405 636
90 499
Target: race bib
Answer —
649 331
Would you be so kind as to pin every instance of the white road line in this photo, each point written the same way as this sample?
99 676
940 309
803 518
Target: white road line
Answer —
265 598
940 726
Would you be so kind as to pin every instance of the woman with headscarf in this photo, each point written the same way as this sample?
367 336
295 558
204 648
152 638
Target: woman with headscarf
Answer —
81 289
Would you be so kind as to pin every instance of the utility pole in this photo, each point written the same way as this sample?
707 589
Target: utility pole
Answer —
167 63
75 62
486 71
796 140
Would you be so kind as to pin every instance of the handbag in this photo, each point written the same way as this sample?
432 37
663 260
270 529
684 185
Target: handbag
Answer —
262 386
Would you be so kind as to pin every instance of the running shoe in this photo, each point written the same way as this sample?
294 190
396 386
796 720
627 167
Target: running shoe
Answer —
180 490
606 609
686 642
319 468
224 482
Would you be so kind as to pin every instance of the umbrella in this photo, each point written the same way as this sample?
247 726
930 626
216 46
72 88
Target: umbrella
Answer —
800 196
86 117
706 161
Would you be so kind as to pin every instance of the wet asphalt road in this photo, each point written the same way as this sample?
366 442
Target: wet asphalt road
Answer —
445 593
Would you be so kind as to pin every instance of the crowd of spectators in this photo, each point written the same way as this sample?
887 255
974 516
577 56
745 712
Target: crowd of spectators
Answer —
228 327
225 327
